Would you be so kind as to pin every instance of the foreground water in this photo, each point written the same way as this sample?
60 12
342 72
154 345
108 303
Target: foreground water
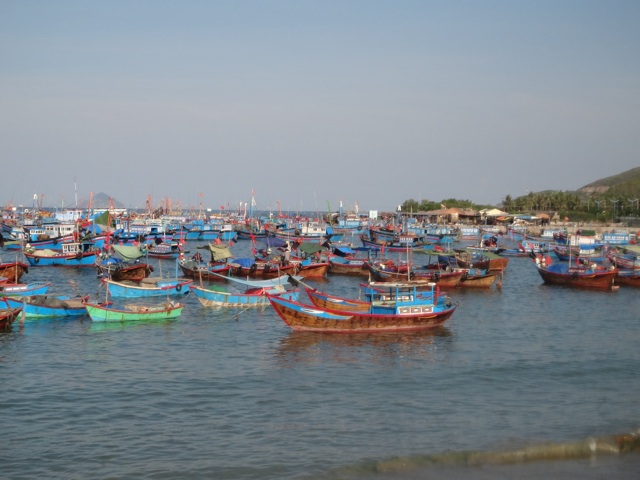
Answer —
236 394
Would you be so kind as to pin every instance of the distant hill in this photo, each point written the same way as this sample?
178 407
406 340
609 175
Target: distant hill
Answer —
101 200
624 184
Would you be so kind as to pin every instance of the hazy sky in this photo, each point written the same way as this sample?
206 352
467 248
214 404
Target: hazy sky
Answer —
305 102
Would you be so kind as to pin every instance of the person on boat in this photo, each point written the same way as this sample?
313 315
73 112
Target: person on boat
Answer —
287 254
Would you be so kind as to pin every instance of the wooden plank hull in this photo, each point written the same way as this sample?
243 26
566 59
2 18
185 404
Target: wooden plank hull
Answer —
8 316
313 270
628 278
479 280
301 317
354 268
603 280
262 272
209 272
13 270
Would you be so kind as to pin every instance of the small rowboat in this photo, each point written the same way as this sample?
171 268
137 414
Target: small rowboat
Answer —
133 313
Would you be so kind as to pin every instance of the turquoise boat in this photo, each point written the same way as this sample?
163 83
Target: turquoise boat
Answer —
217 296
47 306
254 295
148 287
24 289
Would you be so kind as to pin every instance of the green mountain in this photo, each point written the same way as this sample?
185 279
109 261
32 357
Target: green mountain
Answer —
624 184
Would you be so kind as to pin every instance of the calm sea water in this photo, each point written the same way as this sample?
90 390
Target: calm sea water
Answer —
235 394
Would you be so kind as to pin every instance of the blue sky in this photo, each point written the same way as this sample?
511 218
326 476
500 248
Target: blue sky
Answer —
309 102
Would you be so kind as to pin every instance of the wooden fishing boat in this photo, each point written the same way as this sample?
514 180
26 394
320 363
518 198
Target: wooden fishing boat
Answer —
401 243
348 266
171 250
214 270
123 263
13 270
24 289
484 260
628 277
577 276
428 293
148 287
477 278
135 272
71 255
254 293
401 307
8 316
134 313
205 270
444 278
250 268
218 296
39 306
625 257
311 269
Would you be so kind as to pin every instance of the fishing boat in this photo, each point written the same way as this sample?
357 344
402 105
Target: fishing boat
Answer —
429 292
628 277
170 250
8 316
41 306
348 266
486 260
255 294
24 289
590 276
148 287
196 267
260 269
399 307
479 278
13 270
122 262
71 255
400 243
134 313
625 257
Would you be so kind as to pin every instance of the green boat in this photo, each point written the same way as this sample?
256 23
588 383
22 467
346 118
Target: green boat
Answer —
134 313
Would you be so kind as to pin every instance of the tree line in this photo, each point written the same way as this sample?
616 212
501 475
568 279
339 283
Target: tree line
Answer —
593 206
